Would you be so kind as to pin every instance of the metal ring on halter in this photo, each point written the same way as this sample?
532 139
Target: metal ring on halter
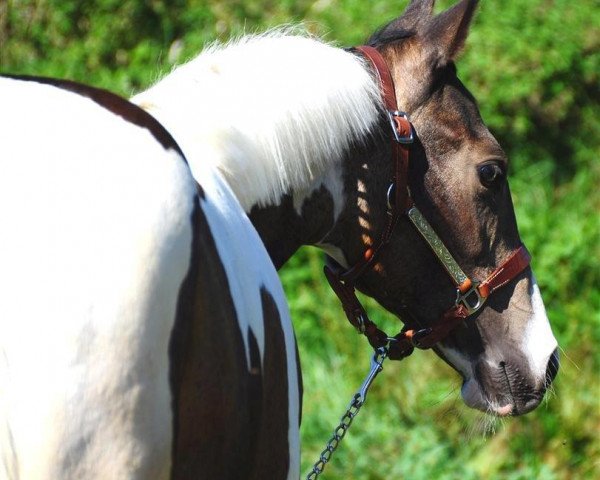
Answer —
471 299
360 321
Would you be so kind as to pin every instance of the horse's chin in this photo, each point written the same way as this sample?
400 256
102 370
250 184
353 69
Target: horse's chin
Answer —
475 398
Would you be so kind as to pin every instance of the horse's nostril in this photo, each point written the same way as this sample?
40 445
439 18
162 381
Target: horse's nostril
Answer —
552 368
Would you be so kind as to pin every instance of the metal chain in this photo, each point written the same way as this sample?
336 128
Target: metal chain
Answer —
358 400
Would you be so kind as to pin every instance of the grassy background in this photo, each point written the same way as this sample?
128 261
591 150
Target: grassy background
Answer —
533 65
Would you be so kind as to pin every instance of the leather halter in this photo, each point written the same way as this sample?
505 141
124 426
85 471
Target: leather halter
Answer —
470 294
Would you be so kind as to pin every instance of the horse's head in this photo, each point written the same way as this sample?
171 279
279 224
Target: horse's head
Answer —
506 352
293 127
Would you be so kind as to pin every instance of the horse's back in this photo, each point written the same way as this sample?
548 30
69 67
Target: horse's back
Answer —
97 234
143 329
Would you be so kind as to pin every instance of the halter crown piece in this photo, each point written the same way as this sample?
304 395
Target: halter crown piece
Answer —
470 294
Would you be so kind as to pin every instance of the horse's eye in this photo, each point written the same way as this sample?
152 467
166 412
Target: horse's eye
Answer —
490 174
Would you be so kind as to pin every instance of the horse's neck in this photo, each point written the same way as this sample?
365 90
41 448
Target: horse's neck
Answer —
273 114
304 217
341 212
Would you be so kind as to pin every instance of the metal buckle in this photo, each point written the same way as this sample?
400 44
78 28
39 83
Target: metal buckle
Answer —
418 336
392 114
472 299
391 198
376 366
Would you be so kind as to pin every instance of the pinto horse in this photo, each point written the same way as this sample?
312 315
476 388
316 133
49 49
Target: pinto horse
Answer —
144 332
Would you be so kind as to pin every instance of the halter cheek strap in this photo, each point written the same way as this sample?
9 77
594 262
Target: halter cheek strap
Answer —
470 294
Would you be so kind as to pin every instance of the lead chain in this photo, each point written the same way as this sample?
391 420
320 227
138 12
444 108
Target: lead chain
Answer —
358 400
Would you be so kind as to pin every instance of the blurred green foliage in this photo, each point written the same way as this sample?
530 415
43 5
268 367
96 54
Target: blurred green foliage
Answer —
534 66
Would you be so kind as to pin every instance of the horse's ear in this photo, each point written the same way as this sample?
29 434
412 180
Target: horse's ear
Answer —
448 31
416 14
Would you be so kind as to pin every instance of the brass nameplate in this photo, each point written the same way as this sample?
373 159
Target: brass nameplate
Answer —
436 244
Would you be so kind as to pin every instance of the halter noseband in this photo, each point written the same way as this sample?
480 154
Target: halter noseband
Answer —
470 294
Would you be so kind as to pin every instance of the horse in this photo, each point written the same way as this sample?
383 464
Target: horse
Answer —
145 333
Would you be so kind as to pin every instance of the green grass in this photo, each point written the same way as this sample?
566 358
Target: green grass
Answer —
533 65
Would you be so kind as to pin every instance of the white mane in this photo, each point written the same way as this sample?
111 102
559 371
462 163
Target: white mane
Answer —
271 112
